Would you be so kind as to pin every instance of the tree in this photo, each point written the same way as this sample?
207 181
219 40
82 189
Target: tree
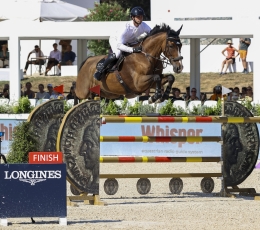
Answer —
105 12
127 4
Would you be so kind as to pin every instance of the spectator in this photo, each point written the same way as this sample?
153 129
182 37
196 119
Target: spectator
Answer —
28 92
193 96
42 94
71 94
230 57
146 96
229 95
217 93
186 96
4 56
244 92
68 57
244 43
38 60
177 96
203 97
5 93
50 90
249 93
235 94
22 90
64 44
54 58
56 93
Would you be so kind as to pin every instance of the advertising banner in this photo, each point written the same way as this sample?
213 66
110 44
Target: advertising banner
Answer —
189 149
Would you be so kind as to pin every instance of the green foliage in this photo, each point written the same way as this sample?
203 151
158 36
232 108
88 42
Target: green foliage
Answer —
6 109
134 109
67 107
168 109
23 106
23 142
105 12
110 108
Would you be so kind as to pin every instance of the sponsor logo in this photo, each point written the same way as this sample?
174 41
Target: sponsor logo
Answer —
32 177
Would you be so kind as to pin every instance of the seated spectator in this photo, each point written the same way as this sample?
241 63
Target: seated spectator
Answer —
5 93
56 93
177 96
193 96
42 94
4 56
244 91
218 93
50 90
230 57
203 97
229 95
146 96
249 94
71 94
235 94
28 92
68 57
38 61
54 58
186 96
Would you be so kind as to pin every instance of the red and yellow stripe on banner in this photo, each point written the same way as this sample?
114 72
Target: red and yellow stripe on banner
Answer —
155 159
168 119
159 139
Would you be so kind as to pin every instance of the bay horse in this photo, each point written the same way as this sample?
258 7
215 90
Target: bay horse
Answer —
139 71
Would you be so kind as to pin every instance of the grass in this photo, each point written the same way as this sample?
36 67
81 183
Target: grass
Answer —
208 81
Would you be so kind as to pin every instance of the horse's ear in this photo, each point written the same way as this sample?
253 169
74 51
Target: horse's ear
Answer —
179 30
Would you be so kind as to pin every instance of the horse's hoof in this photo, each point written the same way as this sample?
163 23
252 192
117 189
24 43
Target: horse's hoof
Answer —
150 100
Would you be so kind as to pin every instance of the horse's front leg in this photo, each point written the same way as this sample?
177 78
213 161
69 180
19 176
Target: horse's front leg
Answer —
166 94
158 90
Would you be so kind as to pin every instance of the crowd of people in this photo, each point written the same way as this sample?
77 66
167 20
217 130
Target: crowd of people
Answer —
246 93
55 58
52 92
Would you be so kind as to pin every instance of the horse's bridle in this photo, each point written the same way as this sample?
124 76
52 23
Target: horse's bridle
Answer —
163 59
177 42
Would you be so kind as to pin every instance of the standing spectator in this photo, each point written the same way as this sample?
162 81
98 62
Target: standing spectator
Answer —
177 96
186 96
28 92
249 93
54 58
38 60
244 43
230 57
68 57
193 96
42 94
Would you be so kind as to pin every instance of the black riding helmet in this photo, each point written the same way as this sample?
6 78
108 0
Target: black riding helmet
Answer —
218 89
136 11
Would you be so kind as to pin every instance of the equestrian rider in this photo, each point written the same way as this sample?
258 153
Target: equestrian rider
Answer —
132 33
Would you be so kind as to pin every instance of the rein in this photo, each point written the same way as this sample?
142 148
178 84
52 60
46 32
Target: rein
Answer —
164 59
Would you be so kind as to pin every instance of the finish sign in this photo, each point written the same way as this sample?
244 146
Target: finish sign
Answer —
45 158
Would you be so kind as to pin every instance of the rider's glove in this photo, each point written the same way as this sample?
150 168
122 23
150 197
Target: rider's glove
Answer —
137 49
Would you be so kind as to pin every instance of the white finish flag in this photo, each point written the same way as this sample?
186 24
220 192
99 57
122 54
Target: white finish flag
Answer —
225 90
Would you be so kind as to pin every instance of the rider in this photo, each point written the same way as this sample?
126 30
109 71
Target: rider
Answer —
132 33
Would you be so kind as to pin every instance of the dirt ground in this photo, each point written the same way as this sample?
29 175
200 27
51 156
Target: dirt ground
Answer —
159 209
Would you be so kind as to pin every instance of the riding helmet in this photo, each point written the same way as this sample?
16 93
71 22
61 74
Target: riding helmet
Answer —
137 11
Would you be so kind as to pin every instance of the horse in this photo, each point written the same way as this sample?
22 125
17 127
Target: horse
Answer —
138 71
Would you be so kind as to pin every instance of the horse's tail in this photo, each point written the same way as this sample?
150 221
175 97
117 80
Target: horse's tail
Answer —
83 63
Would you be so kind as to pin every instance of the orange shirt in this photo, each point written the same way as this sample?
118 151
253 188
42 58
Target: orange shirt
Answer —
230 51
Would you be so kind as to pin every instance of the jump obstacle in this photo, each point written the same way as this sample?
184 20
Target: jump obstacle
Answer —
176 177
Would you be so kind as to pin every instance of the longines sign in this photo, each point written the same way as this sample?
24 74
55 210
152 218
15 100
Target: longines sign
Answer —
26 187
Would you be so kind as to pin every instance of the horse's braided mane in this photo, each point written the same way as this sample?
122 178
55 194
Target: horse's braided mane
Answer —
162 28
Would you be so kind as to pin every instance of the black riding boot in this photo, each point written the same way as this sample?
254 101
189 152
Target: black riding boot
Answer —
111 58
